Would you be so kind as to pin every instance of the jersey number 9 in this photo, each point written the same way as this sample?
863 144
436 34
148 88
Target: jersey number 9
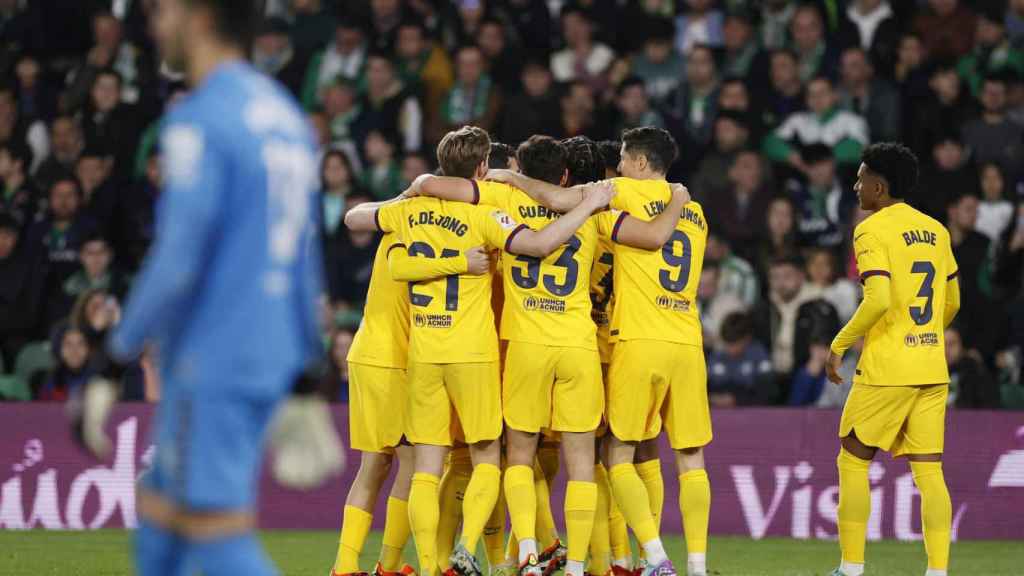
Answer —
679 263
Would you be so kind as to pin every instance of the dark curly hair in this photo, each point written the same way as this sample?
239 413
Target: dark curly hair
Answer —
585 160
543 158
896 164
611 150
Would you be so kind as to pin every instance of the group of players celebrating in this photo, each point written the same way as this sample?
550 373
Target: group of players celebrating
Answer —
600 340
598 347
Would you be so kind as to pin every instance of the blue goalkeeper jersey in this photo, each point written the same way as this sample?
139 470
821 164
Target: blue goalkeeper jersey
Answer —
229 288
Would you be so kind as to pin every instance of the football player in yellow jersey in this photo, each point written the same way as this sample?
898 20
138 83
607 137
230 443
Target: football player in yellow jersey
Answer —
898 399
602 295
657 372
377 384
453 359
552 370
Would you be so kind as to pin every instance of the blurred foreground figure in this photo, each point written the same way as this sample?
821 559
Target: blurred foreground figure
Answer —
228 298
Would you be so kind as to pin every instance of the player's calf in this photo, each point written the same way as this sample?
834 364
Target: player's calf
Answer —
481 496
358 514
396 524
580 498
936 510
521 494
695 507
424 503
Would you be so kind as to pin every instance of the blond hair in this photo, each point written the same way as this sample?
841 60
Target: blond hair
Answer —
461 151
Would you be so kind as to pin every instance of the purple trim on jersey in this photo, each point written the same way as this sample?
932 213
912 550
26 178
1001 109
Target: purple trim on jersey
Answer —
395 245
618 223
870 273
476 192
952 276
508 241
376 219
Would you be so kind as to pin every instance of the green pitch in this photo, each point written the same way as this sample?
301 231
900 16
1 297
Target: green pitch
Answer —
106 553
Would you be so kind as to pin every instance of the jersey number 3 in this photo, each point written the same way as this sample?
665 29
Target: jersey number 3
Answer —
922 315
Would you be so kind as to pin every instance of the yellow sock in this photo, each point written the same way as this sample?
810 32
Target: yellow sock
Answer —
600 544
936 512
695 506
494 533
424 511
854 506
631 496
452 492
481 495
521 495
618 533
396 534
650 473
580 503
355 524
545 531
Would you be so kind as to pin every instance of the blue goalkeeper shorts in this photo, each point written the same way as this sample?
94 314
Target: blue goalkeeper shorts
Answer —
208 449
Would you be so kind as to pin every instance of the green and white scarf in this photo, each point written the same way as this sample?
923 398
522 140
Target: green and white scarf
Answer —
462 106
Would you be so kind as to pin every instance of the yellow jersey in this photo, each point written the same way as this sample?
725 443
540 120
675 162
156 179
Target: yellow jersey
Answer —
383 335
602 295
656 292
451 317
547 300
906 347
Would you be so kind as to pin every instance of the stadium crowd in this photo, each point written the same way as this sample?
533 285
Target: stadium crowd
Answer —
771 102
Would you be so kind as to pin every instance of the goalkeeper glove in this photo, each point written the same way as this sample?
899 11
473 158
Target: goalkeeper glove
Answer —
89 406
305 448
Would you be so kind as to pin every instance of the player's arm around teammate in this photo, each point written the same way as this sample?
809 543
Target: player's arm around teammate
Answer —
430 450
631 231
406 268
524 241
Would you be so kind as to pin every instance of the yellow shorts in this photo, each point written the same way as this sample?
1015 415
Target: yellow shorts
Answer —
440 393
898 419
554 387
376 407
650 382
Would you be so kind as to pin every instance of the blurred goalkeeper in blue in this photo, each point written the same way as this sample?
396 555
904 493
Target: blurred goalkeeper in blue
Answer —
228 298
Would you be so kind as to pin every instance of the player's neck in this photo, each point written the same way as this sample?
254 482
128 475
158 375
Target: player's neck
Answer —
207 56
886 202
648 176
